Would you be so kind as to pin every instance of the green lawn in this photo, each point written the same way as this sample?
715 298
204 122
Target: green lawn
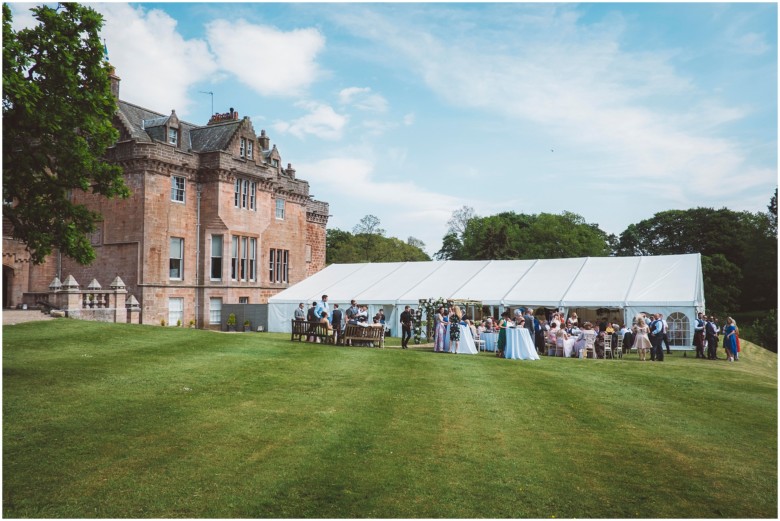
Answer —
112 421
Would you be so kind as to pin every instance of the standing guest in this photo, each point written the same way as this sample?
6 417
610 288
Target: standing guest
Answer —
311 315
641 340
698 335
381 315
730 339
628 338
573 319
300 313
322 306
352 312
406 327
711 333
603 325
665 333
336 321
658 338
455 329
440 330
502 325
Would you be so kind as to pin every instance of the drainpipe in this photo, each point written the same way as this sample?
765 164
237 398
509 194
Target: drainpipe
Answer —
197 261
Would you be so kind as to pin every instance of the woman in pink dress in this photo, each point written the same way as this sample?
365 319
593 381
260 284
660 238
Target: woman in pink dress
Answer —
641 340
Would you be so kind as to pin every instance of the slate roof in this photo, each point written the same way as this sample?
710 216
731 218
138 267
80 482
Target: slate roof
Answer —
145 125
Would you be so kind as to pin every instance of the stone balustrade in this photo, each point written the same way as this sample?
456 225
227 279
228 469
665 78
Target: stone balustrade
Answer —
94 302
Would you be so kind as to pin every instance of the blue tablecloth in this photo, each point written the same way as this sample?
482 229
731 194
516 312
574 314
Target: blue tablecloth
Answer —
519 345
491 339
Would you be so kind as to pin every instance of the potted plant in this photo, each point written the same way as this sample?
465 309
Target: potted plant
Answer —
231 322
162 322
178 323
192 323
247 326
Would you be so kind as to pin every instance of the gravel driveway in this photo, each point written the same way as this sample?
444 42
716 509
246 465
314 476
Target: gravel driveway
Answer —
17 316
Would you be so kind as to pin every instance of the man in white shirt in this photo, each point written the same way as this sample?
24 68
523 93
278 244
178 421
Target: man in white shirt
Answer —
665 334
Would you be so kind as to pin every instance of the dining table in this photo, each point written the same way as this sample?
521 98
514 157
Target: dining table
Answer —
491 339
519 345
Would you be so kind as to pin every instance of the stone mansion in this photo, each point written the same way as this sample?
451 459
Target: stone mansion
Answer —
214 218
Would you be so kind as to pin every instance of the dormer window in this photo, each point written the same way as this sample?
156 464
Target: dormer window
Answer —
173 136
242 148
249 149
275 162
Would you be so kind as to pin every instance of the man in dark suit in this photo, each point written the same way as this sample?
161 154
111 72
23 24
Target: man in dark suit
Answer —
336 322
712 339
698 335
406 327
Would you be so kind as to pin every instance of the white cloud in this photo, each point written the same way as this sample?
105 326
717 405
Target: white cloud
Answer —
270 61
321 121
22 16
582 88
409 119
363 99
751 43
156 64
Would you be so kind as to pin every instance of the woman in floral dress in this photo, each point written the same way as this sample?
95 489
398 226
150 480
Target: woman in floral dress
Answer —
455 329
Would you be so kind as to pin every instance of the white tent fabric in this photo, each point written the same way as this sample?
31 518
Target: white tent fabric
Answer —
667 284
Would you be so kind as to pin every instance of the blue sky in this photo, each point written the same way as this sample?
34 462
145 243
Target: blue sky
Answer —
410 111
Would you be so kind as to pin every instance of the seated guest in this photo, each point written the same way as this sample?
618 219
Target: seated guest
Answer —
322 320
562 339
583 336
598 345
362 315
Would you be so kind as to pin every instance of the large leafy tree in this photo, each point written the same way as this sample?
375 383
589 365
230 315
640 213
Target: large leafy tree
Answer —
368 244
57 113
510 235
739 252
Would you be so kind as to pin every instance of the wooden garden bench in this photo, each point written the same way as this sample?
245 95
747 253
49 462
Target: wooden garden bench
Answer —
303 329
354 333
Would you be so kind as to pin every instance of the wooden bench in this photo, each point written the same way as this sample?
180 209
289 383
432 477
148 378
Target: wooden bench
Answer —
303 329
354 333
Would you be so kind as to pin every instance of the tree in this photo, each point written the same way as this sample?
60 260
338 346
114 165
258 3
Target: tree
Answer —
57 114
509 235
745 277
450 247
773 213
344 247
459 220
417 243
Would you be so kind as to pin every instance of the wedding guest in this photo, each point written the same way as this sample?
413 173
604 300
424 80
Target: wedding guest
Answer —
440 330
730 339
455 329
311 315
564 341
583 338
336 321
502 325
641 340
300 313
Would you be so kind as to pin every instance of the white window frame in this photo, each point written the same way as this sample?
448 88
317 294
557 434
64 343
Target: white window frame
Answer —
252 259
237 193
215 311
679 329
242 147
271 258
244 258
173 136
250 149
172 259
280 209
175 310
178 186
252 195
234 257
217 255
244 193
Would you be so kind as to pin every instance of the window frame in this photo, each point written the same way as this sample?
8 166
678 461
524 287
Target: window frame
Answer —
172 259
280 209
175 315
178 194
242 147
173 136
216 260
234 257
252 259
212 309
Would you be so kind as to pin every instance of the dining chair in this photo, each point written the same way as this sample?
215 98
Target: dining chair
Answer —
608 346
589 347
559 349
619 348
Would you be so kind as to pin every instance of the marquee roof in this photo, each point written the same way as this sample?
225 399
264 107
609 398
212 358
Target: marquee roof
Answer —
611 282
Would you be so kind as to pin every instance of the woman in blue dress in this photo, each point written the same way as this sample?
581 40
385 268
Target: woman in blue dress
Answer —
730 339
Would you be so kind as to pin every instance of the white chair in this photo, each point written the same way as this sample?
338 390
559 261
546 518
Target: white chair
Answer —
589 347
608 346
619 347
478 342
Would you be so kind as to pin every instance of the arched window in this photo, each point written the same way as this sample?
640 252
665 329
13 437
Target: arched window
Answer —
679 329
